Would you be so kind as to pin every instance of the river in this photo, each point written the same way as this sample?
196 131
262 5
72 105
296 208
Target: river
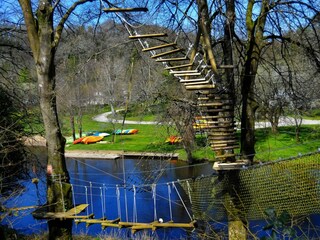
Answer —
141 190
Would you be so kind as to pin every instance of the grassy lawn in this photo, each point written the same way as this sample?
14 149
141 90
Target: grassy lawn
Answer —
284 145
151 138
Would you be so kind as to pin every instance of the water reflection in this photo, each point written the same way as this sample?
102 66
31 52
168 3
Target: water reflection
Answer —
132 189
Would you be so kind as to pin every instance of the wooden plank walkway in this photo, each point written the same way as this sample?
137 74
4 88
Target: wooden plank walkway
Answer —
70 214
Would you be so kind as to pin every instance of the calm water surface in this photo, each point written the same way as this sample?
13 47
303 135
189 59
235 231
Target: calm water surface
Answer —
107 186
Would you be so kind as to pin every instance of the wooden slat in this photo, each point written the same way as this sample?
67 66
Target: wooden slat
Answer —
214 116
151 35
225 148
141 9
167 53
213 104
202 98
184 71
89 222
179 66
226 155
218 66
224 141
230 165
159 47
171 59
70 214
222 137
226 66
200 87
175 225
142 226
187 74
196 83
214 110
192 80
78 209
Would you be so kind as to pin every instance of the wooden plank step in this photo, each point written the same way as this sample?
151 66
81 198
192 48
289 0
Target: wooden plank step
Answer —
220 133
138 9
192 80
174 225
142 226
213 135
202 98
89 222
167 53
226 66
179 66
187 74
151 35
172 59
218 138
218 166
222 145
214 116
215 110
226 155
224 141
225 147
213 126
196 83
184 71
218 66
107 224
159 47
201 87
213 104
70 214
221 130
131 224
230 115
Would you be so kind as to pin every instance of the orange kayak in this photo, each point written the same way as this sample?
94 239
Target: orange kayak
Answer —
79 140
91 139
173 139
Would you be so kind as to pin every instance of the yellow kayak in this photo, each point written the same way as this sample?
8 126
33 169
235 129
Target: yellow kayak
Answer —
91 139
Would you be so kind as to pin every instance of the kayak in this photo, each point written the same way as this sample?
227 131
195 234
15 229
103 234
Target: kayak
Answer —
126 131
173 139
78 140
91 139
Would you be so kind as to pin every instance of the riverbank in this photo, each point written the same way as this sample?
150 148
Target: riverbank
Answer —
38 140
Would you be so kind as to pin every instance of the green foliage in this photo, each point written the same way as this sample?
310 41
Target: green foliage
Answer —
279 225
313 114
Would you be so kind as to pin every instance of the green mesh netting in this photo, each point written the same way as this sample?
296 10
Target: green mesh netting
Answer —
288 185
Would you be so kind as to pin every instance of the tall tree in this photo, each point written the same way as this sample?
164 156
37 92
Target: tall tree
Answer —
44 36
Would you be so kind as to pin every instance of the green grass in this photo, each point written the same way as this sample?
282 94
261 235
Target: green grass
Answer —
284 145
151 138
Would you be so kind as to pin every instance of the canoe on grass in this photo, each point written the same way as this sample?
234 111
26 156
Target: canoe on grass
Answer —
126 131
173 139
97 133
91 139
78 140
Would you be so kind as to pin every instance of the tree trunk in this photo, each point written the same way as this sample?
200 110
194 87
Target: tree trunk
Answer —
255 28
41 37
249 107
59 198
72 127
